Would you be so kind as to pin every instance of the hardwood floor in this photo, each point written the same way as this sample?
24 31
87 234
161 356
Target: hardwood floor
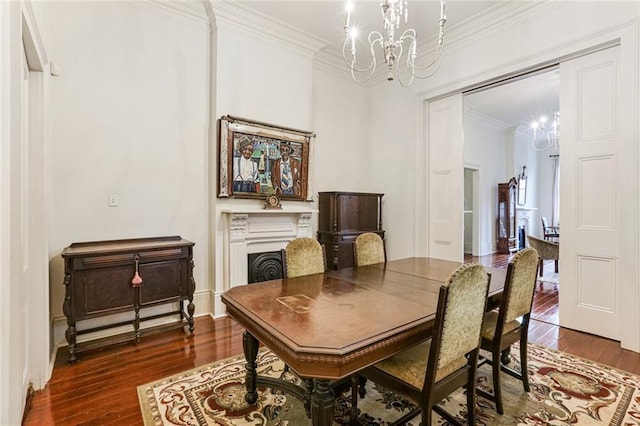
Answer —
100 388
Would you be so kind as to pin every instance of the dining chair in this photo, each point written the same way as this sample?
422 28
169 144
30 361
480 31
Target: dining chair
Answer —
369 248
432 370
549 232
303 256
547 250
510 324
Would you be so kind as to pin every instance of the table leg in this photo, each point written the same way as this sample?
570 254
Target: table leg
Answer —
308 393
323 403
250 345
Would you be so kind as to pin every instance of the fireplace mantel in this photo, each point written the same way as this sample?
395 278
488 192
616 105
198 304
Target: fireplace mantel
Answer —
255 230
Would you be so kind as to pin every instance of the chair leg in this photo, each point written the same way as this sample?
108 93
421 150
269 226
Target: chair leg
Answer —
353 415
363 382
556 266
426 417
541 267
523 361
471 401
497 389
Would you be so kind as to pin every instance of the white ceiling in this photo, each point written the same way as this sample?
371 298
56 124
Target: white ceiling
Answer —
513 104
521 101
325 19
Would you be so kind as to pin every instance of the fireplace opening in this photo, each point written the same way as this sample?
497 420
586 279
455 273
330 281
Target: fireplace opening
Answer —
264 266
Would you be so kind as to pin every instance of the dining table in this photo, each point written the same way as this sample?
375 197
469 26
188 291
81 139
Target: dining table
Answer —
328 326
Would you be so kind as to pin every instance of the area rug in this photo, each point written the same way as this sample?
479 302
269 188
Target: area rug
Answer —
565 390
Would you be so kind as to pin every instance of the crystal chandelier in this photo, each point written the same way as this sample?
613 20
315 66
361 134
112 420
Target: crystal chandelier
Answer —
393 12
544 137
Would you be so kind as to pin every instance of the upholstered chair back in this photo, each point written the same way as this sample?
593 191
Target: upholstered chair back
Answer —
545 222
523 280
303 256
368 249
546 249
462 319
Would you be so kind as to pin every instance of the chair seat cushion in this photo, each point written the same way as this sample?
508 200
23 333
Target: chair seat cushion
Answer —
410 366
489 323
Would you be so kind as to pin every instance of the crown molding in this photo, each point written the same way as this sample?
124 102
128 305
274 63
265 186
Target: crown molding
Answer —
471 111
192 10
239 16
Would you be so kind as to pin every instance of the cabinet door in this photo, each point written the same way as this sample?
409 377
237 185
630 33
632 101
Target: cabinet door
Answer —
357 212
161 282
102 291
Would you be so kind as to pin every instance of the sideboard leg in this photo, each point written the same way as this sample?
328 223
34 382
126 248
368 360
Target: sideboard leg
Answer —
250 345
191 308
136 321
70 335
71 331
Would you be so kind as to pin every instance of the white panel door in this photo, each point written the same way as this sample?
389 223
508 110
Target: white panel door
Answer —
446 178
597 179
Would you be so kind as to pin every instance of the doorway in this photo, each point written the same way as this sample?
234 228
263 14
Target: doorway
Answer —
499 139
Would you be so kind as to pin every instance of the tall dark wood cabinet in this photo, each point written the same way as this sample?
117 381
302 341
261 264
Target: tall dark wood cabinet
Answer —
109 277
342 217
507 239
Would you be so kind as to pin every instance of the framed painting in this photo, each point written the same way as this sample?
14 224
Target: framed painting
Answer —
256 160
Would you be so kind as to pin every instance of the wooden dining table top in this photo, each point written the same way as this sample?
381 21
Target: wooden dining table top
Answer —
333 324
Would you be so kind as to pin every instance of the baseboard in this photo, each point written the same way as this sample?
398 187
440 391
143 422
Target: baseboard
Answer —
27 403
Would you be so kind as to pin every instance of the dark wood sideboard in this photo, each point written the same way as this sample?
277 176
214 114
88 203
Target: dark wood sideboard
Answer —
342 217
109 277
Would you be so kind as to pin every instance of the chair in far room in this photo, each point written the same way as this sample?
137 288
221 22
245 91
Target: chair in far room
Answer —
550 233
369 248
547 250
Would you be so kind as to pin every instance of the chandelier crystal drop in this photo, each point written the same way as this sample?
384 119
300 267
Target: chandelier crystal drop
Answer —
544 134
394 51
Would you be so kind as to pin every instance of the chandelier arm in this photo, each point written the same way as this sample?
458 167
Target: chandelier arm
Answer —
371 67
352 63
431 73
408 83
435 60
439 50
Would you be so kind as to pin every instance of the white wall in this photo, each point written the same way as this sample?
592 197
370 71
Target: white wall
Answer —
393 163
343 155
129 116
12 362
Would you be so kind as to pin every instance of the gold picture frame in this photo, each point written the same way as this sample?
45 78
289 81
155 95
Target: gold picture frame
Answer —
257 159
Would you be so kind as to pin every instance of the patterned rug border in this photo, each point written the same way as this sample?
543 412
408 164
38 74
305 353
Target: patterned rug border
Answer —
618 371
147 409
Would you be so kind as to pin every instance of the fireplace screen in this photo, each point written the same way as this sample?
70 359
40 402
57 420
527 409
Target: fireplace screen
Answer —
264 266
